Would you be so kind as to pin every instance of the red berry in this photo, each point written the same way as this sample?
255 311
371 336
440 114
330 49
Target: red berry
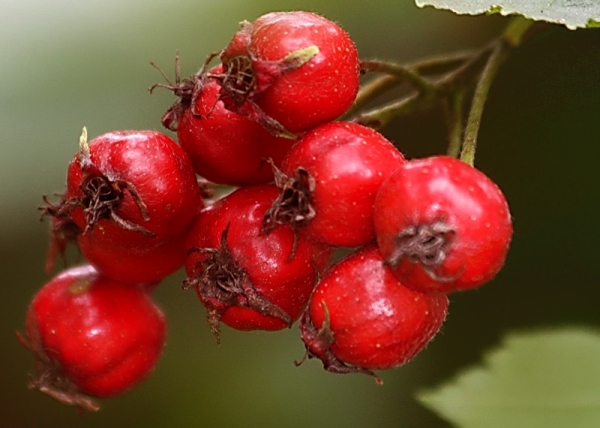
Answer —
92 336
225 147
442 225
138 187
329 183
361 318
290 71
131 264
246 278
131 197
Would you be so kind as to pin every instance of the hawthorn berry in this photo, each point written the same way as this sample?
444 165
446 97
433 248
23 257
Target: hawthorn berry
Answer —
137 187
131 196
361 318
92 336
132 264
442 225
225 147
290 71
246 278
329 180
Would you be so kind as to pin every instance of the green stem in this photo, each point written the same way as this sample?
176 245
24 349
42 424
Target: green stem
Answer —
455 117
440 64
378 118
428 66
407 74
511 38
516 30
452 76
445 85
479 97
370 91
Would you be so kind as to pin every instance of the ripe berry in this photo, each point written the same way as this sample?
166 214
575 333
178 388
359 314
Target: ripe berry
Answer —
92 336
225 147
361 318
442 225
246 278
131 196
290 71
134 265
137 187
329 180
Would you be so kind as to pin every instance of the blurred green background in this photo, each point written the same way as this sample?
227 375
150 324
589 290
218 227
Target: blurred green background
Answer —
65 64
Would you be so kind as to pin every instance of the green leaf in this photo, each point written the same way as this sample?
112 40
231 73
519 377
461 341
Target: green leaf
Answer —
570 13
548 379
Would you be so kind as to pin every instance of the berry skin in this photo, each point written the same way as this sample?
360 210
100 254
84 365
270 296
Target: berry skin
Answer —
92 337
361 318
246 278
134 265
139 187
131 197
294 70
329 181
225 147
442 225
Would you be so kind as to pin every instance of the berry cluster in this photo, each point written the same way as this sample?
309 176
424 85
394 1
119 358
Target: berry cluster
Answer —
301 184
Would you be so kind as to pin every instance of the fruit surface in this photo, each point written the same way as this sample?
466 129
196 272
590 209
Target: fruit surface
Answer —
139 186
442 225
93 336
297 68
246 278
225 147
141 264
332 176
361 318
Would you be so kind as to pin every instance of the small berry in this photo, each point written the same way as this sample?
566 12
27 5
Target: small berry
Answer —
131 197
246 278
329 180
361 318
92 337
134 265
225 147
442 225
290 71
137 186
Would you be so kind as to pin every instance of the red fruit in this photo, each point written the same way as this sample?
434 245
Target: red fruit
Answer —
290 71
329 183
225 147
138 187
132 264
92 336
131 197
361 318
442 225
246 278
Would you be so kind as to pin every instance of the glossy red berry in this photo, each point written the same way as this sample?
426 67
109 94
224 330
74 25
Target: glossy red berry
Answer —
225 147
361 318
92 337
329 180
131 197
442 225
290 71
138 187
246 278
132 264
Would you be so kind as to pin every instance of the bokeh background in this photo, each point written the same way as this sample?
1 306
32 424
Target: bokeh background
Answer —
65 64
